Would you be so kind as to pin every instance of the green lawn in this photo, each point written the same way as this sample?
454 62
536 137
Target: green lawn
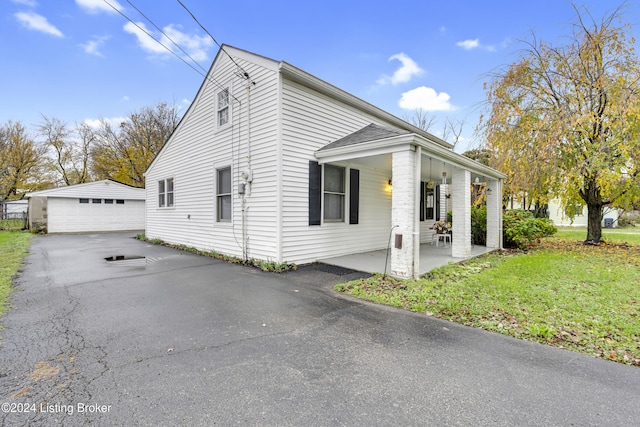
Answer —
566 294
13 249
614 235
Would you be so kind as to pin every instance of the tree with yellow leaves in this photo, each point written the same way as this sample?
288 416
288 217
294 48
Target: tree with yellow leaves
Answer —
565 121
123 152
21 162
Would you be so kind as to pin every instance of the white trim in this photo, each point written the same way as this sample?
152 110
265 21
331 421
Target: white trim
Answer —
218 167
229 88
279 176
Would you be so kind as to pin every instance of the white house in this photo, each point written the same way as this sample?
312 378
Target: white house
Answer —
99 206
578 217
270 162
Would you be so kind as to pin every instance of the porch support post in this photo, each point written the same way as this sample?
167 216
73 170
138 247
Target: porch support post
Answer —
461 212
403 213
416 211
494 214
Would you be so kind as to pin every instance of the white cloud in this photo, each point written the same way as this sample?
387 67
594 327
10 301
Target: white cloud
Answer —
97 6
92 46
113 121
475 44
36 22
407 70
30 3
469 44
194 45
144 40
425 98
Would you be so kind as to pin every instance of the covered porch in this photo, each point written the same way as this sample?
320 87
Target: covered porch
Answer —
427 180
431 257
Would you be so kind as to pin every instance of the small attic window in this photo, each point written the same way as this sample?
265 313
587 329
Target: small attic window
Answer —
222 107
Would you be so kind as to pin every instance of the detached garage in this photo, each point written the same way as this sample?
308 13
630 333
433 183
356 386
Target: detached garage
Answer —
99 206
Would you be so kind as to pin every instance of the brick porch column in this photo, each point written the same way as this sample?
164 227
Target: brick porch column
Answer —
494 214
461 211
403 213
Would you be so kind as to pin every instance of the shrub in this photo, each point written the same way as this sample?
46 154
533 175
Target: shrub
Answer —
522 230
629 219
479 225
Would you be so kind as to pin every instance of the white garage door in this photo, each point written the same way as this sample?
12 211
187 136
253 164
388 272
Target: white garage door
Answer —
89 215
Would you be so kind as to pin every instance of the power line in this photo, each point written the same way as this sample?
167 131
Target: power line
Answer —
245 74
153 38
205 75
166 35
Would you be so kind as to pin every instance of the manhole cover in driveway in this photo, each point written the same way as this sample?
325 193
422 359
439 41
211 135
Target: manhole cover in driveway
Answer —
127 260
123 257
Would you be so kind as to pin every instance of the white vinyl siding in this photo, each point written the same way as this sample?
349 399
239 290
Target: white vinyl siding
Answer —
288 123
310 121
198 148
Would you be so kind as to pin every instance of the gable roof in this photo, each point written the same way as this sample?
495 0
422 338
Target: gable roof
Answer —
368 133
105 189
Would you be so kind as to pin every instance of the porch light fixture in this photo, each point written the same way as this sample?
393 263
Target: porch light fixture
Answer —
489 191
477 181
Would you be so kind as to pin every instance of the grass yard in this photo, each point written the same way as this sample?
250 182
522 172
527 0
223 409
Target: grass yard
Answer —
13 249
612 235
565 294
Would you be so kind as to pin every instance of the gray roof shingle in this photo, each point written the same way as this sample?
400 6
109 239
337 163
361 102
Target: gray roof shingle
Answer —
368 133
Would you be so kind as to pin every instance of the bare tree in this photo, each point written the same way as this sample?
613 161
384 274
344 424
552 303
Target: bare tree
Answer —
420 119
70 149
453 129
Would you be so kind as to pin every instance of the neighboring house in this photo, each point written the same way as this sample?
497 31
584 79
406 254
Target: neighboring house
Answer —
576 215
12 209
99 206
272 163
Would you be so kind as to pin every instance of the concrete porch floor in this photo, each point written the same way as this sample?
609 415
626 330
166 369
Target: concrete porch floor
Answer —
374 261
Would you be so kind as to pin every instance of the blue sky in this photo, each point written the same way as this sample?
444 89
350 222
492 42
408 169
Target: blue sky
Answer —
81 60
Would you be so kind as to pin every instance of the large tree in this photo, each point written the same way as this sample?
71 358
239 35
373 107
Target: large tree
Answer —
123 152
564 121
21 162
70 149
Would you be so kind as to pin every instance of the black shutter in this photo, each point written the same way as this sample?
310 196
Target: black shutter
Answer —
315 192
421 201
354 195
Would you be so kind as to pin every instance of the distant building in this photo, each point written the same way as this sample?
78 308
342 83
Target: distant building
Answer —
99 206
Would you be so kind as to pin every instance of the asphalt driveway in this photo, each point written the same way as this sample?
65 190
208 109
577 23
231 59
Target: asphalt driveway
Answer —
177 339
